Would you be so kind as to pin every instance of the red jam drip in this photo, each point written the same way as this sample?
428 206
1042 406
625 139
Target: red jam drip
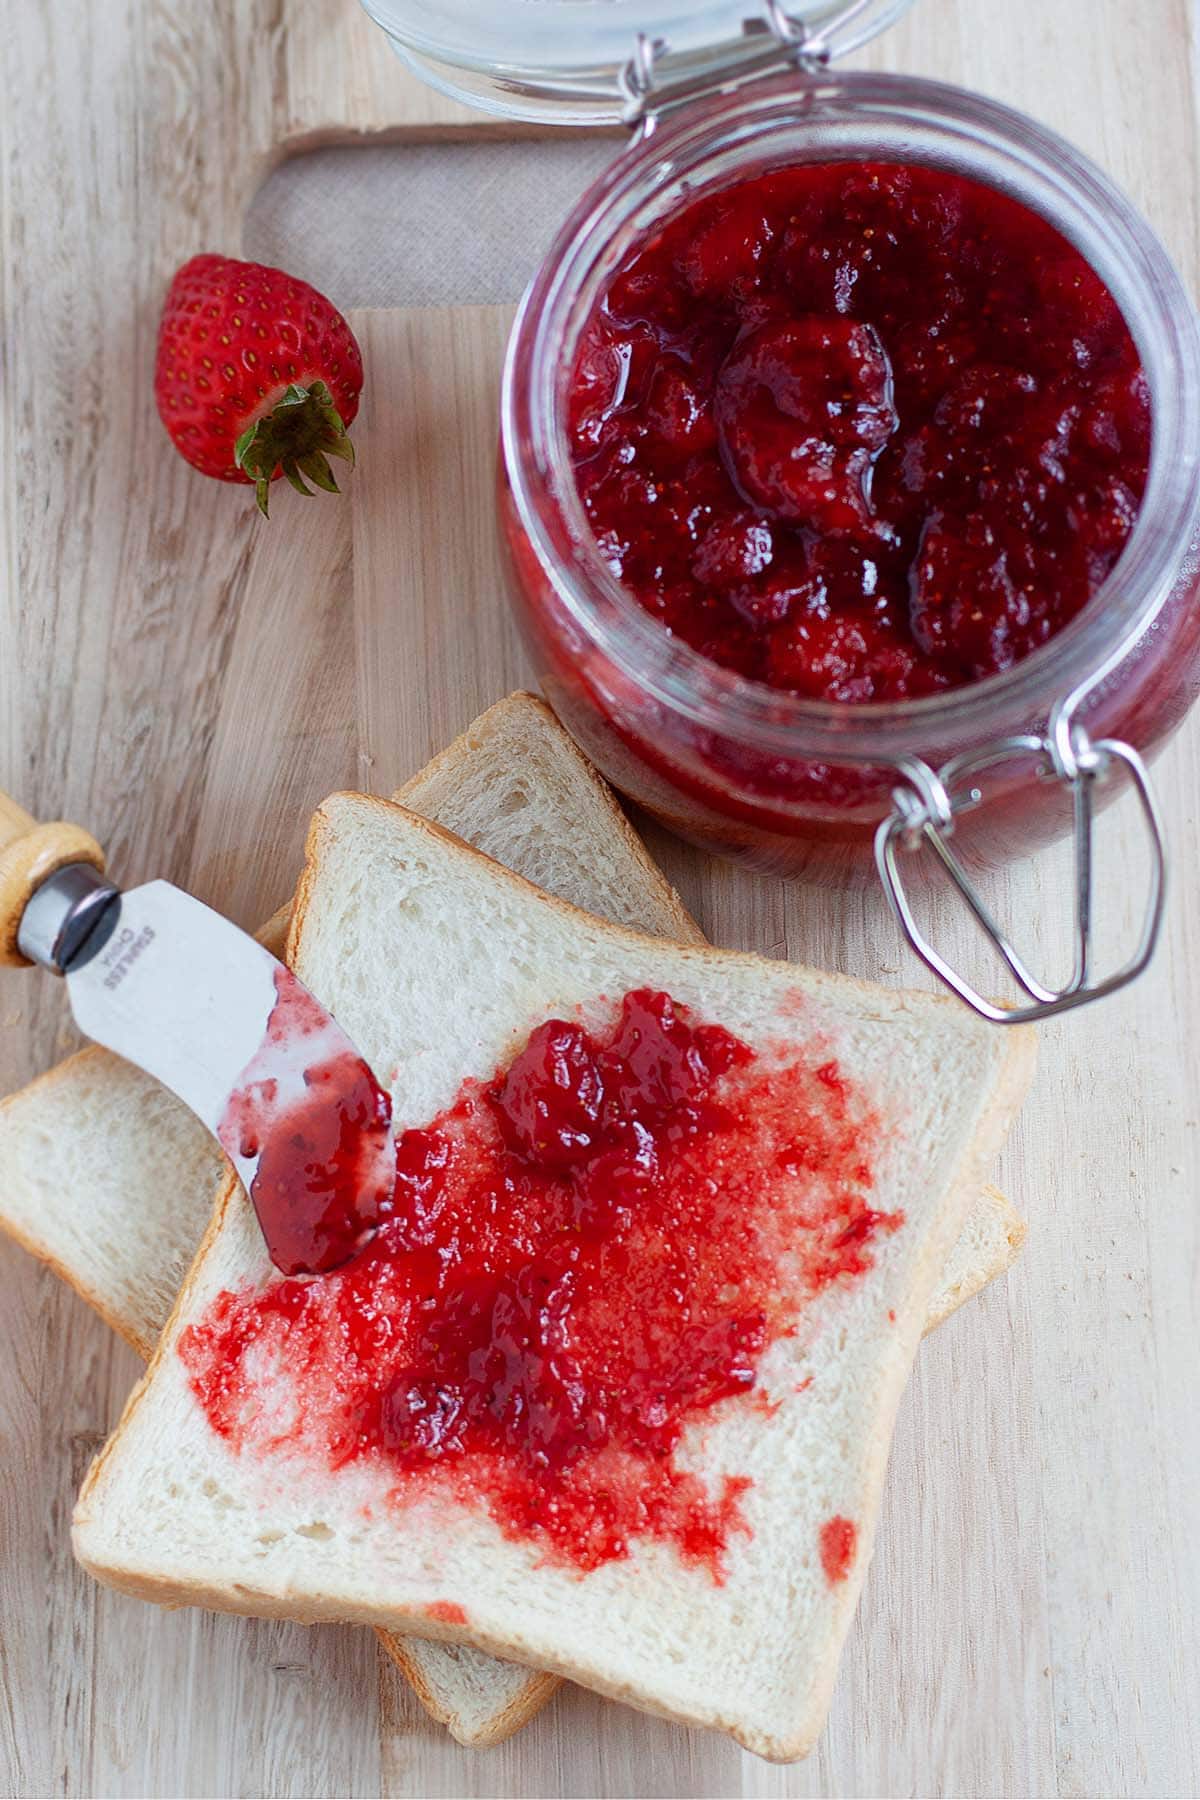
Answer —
838 1542
860 431
317 1187
447 1612
586 1255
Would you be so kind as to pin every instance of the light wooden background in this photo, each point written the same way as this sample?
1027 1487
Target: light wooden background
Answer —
189 683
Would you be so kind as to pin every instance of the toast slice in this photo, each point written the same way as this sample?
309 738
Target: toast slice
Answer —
390 913
117 1203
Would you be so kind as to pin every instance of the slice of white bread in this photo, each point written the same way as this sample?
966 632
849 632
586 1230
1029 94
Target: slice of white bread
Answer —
391 915
117 1203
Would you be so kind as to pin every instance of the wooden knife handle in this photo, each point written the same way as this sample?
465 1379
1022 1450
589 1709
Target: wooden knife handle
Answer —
29 853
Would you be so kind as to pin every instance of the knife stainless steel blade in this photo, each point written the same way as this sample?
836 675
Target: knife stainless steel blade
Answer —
167 983
180 992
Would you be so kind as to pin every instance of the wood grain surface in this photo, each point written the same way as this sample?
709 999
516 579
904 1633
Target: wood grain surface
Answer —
188 683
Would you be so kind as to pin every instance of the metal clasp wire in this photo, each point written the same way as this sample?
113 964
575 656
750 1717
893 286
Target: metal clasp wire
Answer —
820 47
769 44
924 815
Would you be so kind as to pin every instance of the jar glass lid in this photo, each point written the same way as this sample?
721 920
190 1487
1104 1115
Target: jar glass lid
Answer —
573 61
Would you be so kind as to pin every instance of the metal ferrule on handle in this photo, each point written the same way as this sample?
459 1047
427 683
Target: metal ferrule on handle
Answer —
52 889
69 918
655 80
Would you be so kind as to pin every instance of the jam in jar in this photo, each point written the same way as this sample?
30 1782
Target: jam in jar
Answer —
850 429
861 431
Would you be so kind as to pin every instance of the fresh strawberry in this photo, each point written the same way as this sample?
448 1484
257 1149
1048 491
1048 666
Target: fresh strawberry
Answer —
257 375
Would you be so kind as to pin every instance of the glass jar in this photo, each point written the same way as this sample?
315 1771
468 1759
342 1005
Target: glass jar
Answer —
814 788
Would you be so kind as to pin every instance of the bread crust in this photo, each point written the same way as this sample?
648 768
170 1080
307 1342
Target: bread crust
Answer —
684 929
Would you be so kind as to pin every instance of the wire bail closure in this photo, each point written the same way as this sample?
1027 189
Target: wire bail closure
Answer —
924 816
771 43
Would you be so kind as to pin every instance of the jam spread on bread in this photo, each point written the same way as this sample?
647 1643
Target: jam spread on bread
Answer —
839 1541
447 1612
317 1187
582 1258
860 431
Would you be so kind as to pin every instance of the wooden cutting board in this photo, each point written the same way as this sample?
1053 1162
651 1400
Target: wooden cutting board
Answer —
189 682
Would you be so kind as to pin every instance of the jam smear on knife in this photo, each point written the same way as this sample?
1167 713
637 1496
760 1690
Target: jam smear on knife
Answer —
319 1123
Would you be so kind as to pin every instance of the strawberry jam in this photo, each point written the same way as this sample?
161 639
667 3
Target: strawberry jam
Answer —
584 1258
839 1542
319 1123
860 431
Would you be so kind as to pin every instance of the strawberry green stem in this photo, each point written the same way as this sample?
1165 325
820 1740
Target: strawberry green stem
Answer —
301 431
